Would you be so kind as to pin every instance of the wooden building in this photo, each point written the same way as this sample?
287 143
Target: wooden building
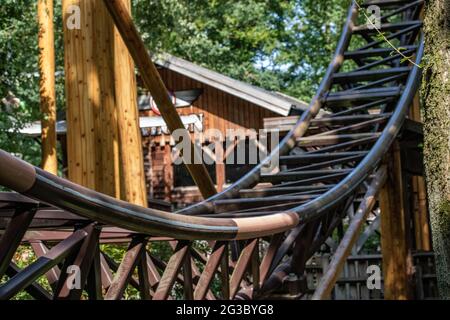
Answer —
205 99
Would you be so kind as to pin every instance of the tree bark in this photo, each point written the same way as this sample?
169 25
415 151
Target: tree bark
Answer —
47 85
436 103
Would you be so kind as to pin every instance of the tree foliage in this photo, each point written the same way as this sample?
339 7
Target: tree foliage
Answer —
19 75
279 45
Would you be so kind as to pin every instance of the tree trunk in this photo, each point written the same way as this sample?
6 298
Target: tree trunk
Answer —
436 103
47 85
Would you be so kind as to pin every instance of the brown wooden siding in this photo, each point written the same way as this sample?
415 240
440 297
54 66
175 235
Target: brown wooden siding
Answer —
220 110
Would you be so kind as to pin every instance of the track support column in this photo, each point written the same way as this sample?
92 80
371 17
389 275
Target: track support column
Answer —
47 86
394 246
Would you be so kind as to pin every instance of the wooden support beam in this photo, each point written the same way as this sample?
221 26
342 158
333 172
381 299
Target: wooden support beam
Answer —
242 264
132 172
168 174
94 281
126 268
27 276
83 259
157 89
393 230
344 249
34 289
92 134
13 235
171 271
47 85
421 217
103 135
52 275
210 270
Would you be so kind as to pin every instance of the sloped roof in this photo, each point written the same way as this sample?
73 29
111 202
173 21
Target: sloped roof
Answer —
273 101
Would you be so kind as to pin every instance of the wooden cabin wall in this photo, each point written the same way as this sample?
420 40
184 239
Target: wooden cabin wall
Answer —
219 109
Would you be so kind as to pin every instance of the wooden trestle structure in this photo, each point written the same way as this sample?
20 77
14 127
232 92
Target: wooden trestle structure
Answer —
262 229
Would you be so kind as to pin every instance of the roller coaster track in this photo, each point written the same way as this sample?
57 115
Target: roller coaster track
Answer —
262 228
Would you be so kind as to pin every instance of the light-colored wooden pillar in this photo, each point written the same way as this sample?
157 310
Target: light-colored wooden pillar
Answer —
421 225
131 149
47 85
220 176
79 77
92 133
103 101
220 165
103 139
393 230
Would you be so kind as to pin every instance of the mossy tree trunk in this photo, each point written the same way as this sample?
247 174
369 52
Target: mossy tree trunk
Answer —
436 103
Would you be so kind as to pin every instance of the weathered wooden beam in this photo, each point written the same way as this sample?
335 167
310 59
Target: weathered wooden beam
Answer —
41 249
47 86
210 270
155 85
393 231
13 235
344 249
124 273
83 259
171 271
43 264
421 224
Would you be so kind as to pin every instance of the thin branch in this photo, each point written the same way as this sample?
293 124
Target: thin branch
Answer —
384 38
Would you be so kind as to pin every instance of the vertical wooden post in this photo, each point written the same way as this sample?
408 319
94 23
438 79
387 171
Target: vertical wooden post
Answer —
421 225
47 85
220 176
92 133
131 153
104 139
155 85
393 231
78 55
148 167
168 175
423 222
220 166
102 97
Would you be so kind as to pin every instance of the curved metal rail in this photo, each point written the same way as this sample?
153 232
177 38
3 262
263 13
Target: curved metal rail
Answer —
325 162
